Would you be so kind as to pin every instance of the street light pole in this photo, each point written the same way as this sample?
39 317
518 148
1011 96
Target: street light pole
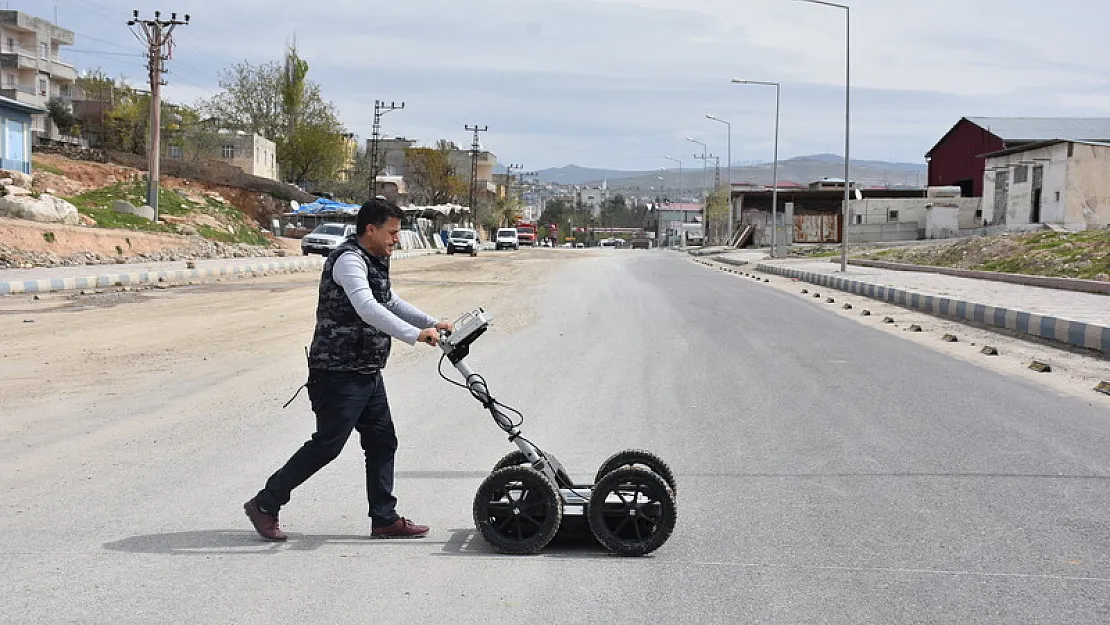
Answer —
704 170
847 121
731 215
704 163
681 182
678 193
775 167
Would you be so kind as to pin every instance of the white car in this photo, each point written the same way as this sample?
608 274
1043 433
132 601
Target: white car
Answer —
463 240
506 238
325 238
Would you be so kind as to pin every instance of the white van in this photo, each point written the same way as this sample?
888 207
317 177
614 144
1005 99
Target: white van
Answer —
463 240
506 238
325 238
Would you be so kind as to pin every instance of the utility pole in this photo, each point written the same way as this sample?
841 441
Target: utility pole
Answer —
509 182
521 176
475 148
380 108
157 34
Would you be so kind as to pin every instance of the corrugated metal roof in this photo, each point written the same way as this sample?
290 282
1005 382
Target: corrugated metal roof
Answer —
1045 128
1029 147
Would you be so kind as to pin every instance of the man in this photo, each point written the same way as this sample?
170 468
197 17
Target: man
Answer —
357 316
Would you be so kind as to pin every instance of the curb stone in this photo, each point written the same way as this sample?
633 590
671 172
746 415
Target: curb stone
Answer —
105 280
1075 333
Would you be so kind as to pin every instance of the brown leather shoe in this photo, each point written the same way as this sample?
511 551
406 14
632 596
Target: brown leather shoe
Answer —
265 524
401 528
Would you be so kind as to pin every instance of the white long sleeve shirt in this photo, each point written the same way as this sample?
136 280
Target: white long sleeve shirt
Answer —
397 318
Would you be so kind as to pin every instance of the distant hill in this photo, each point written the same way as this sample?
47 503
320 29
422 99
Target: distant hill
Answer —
573 174
802 169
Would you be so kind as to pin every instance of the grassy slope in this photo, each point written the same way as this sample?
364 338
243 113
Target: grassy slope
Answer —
1069 255
96 204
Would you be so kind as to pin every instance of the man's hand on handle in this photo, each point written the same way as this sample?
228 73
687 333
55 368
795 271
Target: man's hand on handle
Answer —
431 335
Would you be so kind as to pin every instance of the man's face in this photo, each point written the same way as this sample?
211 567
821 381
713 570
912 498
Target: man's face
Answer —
380 240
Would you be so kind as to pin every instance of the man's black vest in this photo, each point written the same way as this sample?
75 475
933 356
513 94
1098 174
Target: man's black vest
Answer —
342 340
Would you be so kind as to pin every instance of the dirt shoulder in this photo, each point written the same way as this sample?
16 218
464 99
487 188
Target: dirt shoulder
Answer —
65 353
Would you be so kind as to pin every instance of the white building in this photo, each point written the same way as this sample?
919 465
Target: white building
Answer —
592 197
31 70
1061 182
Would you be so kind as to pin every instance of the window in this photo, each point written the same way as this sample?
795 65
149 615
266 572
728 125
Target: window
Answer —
1057 196
978 213
9 80
176 151
892 215
11 45
42 86
859 219
44 50
1021 174
227 151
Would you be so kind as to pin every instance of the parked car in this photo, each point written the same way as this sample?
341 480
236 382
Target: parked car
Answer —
463 240
325 238
507 238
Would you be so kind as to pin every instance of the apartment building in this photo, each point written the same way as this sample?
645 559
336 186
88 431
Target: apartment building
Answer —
31 68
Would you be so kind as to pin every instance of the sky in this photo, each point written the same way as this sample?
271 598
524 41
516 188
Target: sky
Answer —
622 84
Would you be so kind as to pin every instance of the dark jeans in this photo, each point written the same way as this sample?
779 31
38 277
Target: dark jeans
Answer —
343 401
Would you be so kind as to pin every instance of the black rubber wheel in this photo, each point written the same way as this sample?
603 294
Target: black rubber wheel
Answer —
632 511
516 458
517 510
640 458
473 253
450 250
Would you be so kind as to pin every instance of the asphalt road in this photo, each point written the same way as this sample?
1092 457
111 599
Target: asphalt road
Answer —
828 473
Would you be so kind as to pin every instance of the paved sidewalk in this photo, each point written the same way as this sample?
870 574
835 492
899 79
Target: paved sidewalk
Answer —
1079 319
47 279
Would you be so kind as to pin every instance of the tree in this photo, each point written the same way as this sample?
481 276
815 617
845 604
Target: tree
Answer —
431 178
615 213
186 129
507 211
127 121
716 217
313 152
62 115
554 212
293 91
281 104
251 100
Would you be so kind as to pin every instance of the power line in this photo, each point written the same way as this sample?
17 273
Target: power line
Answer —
104 52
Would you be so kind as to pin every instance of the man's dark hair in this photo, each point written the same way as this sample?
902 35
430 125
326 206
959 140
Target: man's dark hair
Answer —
376 212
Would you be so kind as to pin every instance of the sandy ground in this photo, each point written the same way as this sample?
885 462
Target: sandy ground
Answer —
66 349
1074 373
